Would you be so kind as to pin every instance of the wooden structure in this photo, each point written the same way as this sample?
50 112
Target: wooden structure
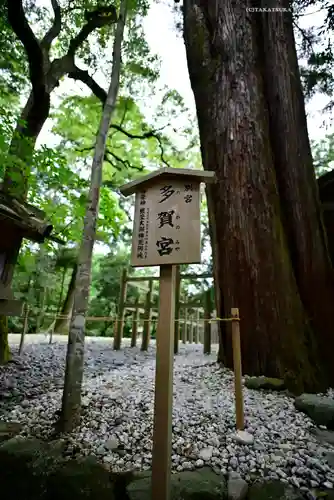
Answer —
17 220
186 309
239 401
167 232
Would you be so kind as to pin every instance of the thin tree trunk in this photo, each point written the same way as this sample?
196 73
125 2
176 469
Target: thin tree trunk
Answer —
71 403
255 271
62 324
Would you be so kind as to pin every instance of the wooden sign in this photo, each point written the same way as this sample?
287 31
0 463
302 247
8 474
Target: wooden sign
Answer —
166 233
167 226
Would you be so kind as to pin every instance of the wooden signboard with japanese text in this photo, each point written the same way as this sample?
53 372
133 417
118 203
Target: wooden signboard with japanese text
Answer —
167 227
167 232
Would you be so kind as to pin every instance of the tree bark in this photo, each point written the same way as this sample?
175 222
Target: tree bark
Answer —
62 324
45 76
256 269
71 402
302 217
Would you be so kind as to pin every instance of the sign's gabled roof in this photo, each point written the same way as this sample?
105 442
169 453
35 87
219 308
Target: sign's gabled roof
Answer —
176 173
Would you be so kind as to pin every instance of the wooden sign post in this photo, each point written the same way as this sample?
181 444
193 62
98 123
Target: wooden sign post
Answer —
167 232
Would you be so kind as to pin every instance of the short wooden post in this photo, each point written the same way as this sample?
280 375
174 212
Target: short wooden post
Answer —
153 326
197 327
207 324
201 329
177 310
147 318
163 403
120 319
239 403
52 329
191 328
185 326
24 329
135 319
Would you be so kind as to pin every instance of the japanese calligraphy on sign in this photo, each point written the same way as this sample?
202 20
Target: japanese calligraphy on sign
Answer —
167 224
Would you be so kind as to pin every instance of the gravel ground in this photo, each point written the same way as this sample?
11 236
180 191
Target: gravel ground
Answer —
118 394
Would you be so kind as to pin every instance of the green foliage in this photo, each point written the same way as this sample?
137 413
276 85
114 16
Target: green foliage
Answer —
316 49
58 176
13 64
323 155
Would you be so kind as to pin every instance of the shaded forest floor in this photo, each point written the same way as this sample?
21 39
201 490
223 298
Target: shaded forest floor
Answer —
116 427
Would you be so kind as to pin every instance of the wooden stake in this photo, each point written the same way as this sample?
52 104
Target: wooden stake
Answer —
177 311
207 324
239 403
191 328
147 318
25 328
197 327
52 329
185 326
135 319
162 430
120 323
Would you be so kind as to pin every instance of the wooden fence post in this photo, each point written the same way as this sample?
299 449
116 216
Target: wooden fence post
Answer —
207 324
163 401
191 328
120 315
135 320
52 329
147 319
177 310
185 326
25 328
197 327
239 403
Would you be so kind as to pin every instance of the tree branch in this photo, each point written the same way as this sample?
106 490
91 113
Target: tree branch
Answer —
126 163
84 77
100 93
96 19
146 135
305 37
55 28
24 33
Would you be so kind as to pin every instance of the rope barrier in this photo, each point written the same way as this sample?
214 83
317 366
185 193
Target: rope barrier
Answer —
117 320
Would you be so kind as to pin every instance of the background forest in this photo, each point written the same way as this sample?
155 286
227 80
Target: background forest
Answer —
58 171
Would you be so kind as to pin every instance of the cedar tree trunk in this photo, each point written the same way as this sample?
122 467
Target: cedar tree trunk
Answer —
267 226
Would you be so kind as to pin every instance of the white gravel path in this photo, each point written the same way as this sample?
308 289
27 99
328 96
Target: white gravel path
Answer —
118 393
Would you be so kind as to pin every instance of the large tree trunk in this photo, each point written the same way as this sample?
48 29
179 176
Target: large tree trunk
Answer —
296 178
257 261
71 401
62 324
